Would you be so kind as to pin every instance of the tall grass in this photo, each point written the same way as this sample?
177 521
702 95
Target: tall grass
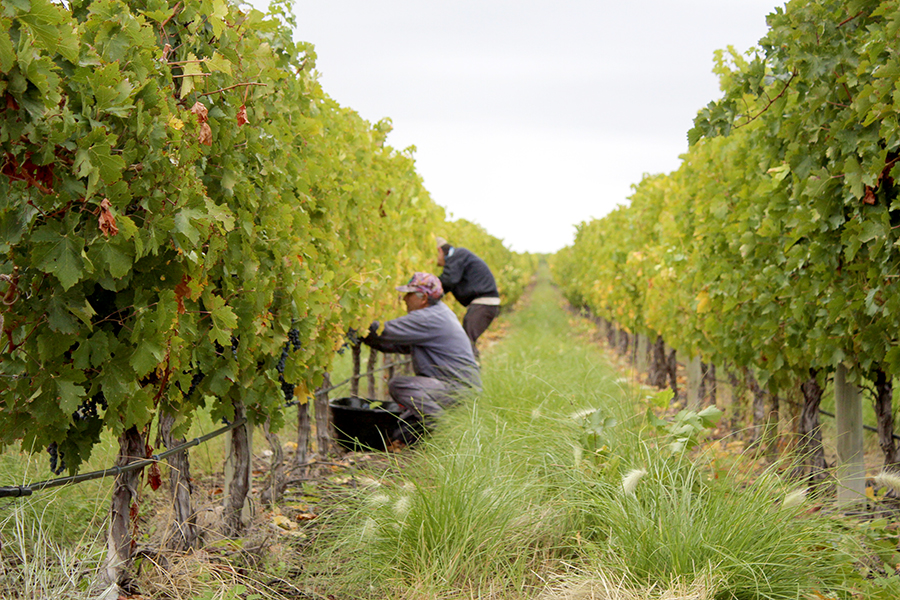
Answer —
521 486
51 542
680 524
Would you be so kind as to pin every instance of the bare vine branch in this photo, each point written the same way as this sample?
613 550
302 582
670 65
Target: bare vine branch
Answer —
231 87
771 102
848 19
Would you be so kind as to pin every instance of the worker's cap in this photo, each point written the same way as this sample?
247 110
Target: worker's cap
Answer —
441 241
426 283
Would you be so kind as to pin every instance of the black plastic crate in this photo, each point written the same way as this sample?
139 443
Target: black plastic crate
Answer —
360 427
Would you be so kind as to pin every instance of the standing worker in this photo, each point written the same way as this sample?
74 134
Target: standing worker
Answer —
471 282
444 364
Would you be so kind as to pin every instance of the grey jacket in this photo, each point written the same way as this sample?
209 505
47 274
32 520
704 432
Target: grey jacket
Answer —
435 339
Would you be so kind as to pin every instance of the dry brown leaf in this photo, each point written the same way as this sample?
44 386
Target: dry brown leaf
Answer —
107 220
205 134
869 198
242 115
201 112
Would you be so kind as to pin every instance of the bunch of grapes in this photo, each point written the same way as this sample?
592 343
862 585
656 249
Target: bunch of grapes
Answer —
293 344
57 461
283 358
220 350
88 408
351 338
294 338
288 390
195 381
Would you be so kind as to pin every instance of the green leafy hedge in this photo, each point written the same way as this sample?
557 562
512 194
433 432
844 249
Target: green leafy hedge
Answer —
775 244
177 195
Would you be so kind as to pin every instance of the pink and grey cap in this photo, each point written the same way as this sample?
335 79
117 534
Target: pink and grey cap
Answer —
426 283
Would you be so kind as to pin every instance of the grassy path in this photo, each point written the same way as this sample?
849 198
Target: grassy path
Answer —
552 484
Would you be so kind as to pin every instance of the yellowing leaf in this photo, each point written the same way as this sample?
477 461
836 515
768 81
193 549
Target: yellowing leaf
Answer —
703 302
218 17
176 123
218 63
190 68
283 522
301 393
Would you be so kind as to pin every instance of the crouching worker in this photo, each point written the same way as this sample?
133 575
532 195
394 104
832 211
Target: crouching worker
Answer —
442 357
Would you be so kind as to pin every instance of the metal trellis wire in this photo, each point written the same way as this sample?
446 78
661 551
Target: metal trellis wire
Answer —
18 491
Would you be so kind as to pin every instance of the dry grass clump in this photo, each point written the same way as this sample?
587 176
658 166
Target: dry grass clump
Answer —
603 586
207 574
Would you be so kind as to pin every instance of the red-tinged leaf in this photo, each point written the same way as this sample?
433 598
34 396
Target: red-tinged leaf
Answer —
869 197
107 219
205 136
242 115
40 177
182 290
154 477
201 112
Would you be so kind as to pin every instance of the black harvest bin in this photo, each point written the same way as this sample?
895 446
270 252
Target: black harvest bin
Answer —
359 427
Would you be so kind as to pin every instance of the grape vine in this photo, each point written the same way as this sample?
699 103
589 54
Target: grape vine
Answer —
178 197
774 246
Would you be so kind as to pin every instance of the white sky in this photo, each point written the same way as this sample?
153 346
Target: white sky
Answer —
529 116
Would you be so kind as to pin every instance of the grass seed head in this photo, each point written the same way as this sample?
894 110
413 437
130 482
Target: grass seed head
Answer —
401 506
795 498
631 479
890 480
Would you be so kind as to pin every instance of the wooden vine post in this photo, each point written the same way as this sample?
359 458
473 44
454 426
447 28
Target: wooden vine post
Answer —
694 378
657 371
809 431
125 495
276 484
238 466
323 418
884 393
388 364
303 431
672 371
708 384
642 348
851 468
184 532
355 352
371 365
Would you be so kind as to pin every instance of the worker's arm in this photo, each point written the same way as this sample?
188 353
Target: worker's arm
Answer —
380 343
415 328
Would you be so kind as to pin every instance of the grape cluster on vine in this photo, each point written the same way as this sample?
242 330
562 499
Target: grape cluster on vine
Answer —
88 408
293 344
196 378
57 461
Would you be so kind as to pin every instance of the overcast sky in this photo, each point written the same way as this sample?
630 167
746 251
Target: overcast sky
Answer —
529 117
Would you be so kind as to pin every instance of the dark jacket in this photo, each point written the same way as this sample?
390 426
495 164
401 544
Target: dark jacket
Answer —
467 277
439 346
